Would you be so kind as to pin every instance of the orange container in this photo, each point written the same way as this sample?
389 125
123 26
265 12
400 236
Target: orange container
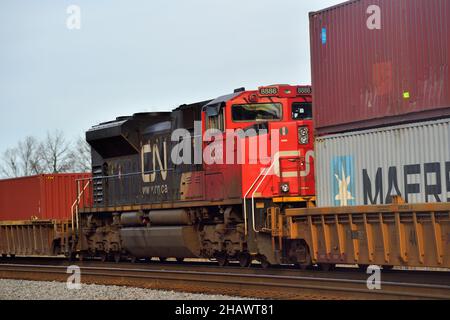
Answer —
43 197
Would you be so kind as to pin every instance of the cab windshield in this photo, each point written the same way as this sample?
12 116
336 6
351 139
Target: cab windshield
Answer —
256 112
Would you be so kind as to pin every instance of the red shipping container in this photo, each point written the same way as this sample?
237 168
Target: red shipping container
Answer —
380 62
43 197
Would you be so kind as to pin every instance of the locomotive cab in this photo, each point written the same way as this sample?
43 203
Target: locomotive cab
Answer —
271 134
275 126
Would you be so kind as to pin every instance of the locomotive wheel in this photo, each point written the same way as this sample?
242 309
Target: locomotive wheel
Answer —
82 256
326 266
265 264
363 267
162 259
222 259
307 264
245 260
72 256
103 256
304 267
180 260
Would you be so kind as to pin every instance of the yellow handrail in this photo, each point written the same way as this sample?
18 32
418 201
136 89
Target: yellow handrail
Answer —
76 204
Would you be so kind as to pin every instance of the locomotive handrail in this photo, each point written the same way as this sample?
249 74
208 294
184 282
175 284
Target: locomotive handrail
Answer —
245 202
263 173
130 174
276 157
77 203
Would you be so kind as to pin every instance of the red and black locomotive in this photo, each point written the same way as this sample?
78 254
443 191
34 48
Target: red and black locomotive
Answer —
197 182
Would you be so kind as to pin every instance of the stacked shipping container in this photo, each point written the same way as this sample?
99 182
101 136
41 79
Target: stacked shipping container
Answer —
41 197
369 167
380 62
380 73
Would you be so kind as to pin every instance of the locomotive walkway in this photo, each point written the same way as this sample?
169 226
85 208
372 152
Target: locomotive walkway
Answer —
275 283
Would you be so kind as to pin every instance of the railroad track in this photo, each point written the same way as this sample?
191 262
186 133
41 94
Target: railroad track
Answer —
259 283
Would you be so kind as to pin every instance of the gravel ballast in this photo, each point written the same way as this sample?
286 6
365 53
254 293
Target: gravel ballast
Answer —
37 290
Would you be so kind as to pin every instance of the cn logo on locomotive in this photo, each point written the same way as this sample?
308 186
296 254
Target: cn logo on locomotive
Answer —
158 165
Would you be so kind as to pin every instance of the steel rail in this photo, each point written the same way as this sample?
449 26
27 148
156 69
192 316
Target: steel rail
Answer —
236 282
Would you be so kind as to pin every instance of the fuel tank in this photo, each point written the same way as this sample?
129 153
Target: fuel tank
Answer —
169 217
167 241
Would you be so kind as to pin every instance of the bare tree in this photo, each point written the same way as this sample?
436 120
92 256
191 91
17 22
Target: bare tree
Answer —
52 155
55 153
81 156
10 163
30 156
23 160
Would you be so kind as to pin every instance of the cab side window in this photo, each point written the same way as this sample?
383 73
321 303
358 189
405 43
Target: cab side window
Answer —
302 111
216 122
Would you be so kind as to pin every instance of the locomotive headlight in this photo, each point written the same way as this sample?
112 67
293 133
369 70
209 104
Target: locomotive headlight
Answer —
303 135
285 188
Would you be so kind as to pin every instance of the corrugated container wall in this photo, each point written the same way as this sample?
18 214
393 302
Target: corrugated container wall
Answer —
380 62
44 197
368 167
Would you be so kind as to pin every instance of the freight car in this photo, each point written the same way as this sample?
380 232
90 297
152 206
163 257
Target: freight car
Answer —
36 214
381 110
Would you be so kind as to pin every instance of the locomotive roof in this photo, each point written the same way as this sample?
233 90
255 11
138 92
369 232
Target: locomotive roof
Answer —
192 105
137 116
158 127
213 107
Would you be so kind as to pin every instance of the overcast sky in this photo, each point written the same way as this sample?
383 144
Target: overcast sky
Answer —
140 55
